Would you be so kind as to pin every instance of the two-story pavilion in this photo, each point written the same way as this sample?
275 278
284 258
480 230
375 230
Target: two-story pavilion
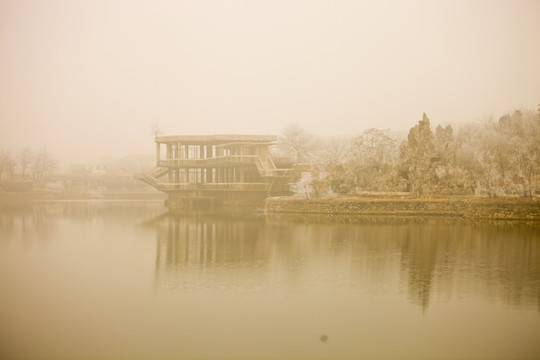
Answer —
200 169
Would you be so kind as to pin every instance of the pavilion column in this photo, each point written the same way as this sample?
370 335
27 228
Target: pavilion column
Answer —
158 155
169 156
263 154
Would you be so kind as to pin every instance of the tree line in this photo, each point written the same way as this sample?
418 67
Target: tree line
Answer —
26 165
494 157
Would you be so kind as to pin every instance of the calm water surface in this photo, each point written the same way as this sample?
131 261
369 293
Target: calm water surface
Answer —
118 279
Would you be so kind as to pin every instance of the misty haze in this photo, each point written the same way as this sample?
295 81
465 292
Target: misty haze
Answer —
269 179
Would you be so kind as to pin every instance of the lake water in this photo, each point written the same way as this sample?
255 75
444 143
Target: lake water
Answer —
125 280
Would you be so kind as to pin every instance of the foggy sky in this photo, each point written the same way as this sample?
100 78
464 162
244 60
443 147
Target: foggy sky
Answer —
87 78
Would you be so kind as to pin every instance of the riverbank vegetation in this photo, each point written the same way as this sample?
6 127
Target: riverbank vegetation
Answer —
20 171
494 157
30 174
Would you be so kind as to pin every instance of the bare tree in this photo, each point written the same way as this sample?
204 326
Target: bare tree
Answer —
42 165
333 151
7 163
156 129
370 159
501 156
295 141
26 157
376 146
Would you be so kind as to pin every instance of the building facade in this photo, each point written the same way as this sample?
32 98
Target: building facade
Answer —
208 170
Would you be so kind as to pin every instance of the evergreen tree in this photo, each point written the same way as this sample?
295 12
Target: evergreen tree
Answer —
417 156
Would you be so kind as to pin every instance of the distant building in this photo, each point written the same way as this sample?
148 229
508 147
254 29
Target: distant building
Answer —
210 170
78 169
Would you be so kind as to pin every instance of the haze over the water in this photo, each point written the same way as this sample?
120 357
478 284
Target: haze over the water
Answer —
87 78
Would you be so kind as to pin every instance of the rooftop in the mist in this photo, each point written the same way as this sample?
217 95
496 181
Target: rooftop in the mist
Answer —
216 138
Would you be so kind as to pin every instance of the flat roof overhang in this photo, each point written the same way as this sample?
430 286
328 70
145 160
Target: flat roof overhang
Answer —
216 139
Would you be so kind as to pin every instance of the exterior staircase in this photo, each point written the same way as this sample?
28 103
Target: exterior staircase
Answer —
152 176
277 180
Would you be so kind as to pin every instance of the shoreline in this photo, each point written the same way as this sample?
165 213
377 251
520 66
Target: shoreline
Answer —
467 207
47 195
475 208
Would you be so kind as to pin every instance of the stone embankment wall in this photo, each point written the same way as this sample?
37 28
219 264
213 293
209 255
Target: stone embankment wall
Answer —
471 208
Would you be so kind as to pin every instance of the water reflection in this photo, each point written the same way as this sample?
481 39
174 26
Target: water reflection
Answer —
205 242
128 280
498 263
25 222
424 259
38 222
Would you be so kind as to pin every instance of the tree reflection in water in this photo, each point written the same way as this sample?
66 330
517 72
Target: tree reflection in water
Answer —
441 258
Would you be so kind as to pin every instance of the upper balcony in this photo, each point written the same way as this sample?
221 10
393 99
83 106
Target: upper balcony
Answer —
266 168
217 161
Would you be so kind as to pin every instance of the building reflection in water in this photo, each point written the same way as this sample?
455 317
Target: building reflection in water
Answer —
195 242
423 260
